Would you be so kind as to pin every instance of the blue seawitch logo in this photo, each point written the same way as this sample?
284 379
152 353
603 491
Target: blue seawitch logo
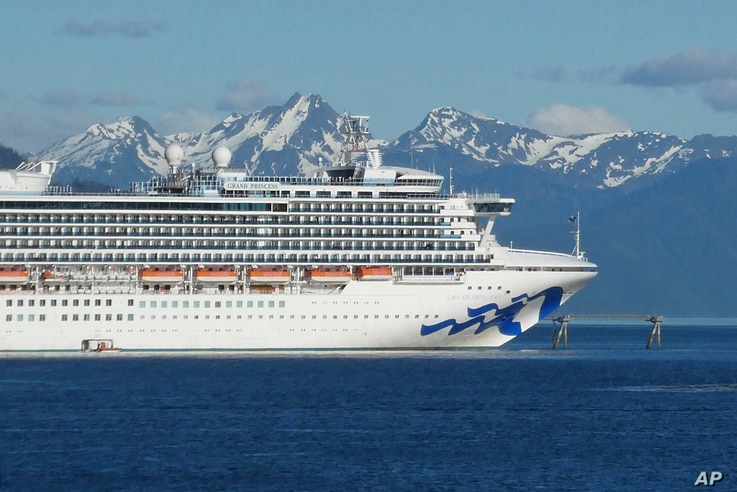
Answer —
501 318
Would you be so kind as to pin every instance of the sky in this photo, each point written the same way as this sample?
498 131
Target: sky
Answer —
182 65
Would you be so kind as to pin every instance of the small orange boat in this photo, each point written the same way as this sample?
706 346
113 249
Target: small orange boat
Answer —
328 276
14 275
269 276
216 276
162 275
374 273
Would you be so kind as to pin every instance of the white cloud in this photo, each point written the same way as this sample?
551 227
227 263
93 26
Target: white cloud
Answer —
245 96
28 132
121 98
188 120
127 28
689 67
564 120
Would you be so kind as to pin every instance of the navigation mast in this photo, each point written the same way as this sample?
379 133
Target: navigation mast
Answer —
577 247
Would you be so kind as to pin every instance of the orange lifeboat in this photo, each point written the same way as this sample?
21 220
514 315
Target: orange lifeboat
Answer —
216 276
269 276
13 275
50 277
374 273
328 275
162 275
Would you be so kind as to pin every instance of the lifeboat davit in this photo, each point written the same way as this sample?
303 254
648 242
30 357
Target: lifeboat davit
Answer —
269 276
216 276
14 275
328 276
374 273
162 275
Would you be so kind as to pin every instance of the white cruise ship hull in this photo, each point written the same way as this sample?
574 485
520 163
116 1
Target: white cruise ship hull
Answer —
479 311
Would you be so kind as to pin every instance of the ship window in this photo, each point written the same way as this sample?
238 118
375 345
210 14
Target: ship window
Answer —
75 317
174 304
75 302
63 317
98 302
86 302
42 317
141 304
185 304
108 317
249 304
228 304
9 302
130 302
196 304
260 304
64 302
119 317
207 304
9 317
281 304
53 302
31 302
108 302
42 302
238 304
153 304
163 304
97 317
271 304
130 317
30 317
86 317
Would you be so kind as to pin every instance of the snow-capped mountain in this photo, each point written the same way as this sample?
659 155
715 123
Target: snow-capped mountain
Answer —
287 139
292 139
598 160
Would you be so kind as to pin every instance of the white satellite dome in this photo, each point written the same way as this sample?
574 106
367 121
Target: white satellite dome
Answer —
221 157
174 155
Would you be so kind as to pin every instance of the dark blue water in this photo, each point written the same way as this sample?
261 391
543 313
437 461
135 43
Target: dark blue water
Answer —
604 415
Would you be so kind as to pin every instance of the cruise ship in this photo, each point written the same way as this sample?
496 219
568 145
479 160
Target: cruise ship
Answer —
360 255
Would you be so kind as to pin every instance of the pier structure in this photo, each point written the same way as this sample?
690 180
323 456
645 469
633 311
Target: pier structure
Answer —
560 330
657 321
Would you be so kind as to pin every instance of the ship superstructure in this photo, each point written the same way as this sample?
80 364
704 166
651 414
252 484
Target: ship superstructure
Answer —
358 256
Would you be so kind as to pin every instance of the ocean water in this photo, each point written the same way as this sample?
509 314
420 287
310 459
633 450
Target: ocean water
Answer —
606 414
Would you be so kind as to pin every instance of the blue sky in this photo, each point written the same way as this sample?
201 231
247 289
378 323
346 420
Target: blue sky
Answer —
561 67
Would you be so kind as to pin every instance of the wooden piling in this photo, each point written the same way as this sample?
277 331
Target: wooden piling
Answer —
561 331
657 321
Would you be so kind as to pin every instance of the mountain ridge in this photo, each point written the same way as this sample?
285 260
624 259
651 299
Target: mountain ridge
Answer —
638 191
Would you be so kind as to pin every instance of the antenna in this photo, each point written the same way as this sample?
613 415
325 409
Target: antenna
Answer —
577 247
451 180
